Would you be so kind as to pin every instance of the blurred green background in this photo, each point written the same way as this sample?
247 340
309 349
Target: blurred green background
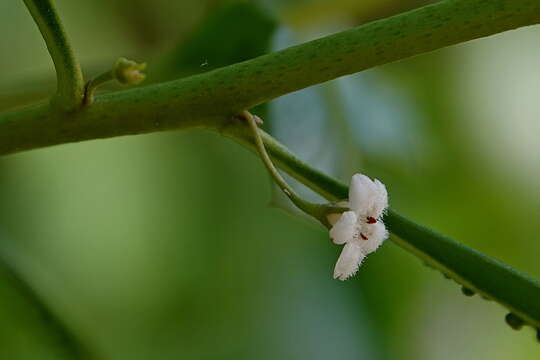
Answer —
173 246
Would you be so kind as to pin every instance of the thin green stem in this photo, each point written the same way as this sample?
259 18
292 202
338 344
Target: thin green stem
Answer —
280 181
92 85
70 83
318 211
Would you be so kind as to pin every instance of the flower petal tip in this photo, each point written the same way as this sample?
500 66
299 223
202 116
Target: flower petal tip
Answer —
343 230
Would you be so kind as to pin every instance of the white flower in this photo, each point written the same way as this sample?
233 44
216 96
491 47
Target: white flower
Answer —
360 229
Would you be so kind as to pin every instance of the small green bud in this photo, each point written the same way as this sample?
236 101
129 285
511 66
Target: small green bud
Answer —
128 72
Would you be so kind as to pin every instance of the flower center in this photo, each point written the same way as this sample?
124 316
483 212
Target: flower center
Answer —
371 220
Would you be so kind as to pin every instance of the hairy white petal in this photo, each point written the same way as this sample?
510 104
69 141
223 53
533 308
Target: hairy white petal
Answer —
361 193
350 259
376 234
380 202
343 230
367 198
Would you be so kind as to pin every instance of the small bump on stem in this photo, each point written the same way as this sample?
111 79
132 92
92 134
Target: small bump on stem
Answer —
126 72
514 321
129 72
467 292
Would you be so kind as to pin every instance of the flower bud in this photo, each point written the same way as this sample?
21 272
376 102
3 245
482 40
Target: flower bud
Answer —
128 72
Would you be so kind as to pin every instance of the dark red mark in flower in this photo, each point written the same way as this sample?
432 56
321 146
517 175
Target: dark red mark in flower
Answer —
371 220
363 236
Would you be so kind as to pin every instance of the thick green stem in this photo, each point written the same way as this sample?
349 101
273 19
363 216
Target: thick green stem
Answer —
219 94
70 83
